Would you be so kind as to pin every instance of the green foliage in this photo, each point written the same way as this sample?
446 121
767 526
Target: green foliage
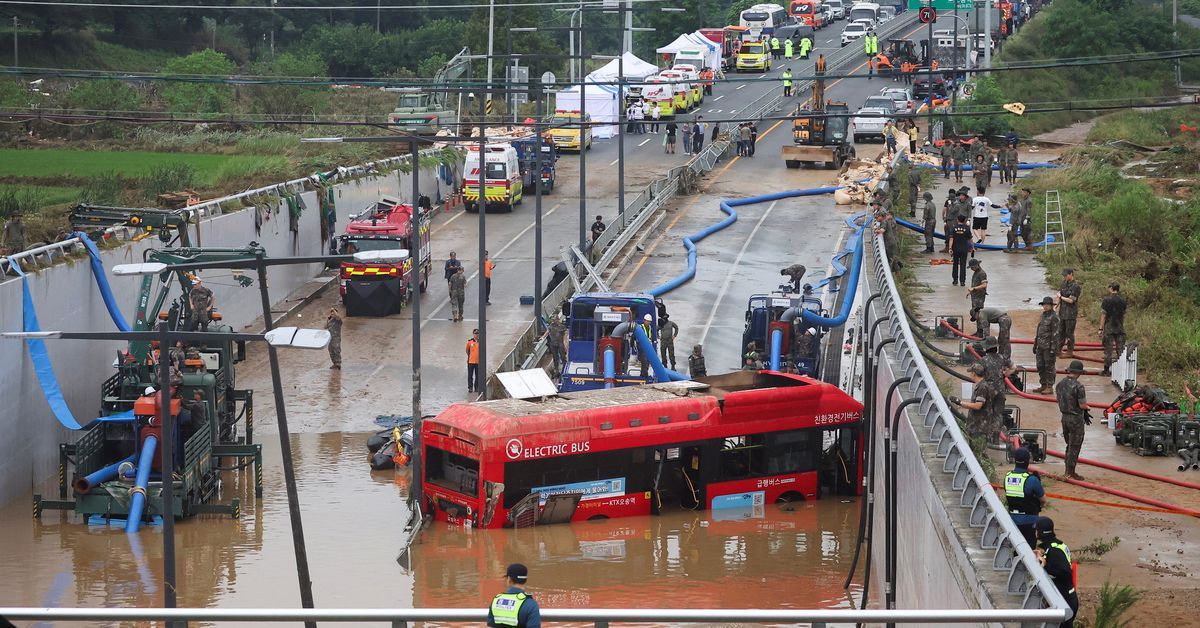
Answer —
1146 128
198 97
106 189
987 97
19 200
1095 550
1114 602
13 94
171 177
103 96
289 101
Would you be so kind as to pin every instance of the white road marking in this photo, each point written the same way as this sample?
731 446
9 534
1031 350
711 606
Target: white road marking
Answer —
712 313
614 162
446 301
452 219
719 97
741 86
644 141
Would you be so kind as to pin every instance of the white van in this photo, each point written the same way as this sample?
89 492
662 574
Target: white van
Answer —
502 185
864 11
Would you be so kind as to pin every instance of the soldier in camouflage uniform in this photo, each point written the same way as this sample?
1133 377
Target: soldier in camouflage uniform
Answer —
959 155
988 316
929 218
1072 403
334 324
458 293
996 368
980 407
979 285
1068 308
1045 346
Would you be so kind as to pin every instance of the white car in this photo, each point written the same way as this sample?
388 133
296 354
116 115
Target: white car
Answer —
867 23
836 9
852 32
868 123
886 13
885 103
901 97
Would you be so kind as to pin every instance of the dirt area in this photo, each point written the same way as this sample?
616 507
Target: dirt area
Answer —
1158 552
1074 134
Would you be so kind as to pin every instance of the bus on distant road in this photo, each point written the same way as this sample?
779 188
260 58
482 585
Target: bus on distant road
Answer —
763 19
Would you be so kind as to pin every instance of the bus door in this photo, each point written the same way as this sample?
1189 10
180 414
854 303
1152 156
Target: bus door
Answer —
840 470
675 480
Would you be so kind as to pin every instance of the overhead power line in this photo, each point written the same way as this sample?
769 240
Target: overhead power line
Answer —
281 7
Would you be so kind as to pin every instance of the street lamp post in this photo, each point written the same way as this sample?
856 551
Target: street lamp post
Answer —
483 272
414 252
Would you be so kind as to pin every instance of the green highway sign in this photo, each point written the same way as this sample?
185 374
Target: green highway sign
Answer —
942 5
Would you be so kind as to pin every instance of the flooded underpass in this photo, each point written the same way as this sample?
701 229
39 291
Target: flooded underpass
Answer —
776 557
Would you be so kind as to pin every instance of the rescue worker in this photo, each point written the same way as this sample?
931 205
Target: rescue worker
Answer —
983 394
787 49
805 47
515 608
891 240
946 152
1072 404
914 187
796 273
787 82
958 154
752 359
472 351
867 48
1068 309
667 331
989 160
929 218
981 173
198 416
753 136
960 245
988 316
452 266
996 369
775 48
1024 495
13 238
488 265
1026 205
1055 557
556 339
978 148
333 324
1112 325
1045 346
200 302
1002 160
1016 218
648 330
806 344
598 228
1014 160
696 366
948 216
979 284
893 184
458 294
706 75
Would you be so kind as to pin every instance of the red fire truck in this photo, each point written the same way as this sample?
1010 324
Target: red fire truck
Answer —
733 441
382 287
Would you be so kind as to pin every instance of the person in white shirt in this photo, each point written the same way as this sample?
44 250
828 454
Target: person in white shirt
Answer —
979 216
655 114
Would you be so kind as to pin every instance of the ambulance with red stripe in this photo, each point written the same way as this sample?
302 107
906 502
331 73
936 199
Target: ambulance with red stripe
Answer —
383 285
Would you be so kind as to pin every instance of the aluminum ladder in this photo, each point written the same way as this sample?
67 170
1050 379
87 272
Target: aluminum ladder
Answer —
1056 235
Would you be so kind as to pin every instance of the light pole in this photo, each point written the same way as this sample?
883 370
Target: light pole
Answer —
414 253
272 29
483 272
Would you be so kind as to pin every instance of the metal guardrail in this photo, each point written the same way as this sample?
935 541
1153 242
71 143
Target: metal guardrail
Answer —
44 256
597 617
531 347
996 532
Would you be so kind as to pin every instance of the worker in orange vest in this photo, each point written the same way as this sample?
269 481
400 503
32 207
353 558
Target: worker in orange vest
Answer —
487 277
473 382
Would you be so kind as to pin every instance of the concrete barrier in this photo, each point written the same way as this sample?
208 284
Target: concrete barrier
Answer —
66 299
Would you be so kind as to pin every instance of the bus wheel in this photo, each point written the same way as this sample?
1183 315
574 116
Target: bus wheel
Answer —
789 499
598 518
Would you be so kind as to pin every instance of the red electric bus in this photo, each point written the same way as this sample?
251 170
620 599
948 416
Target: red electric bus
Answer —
731 441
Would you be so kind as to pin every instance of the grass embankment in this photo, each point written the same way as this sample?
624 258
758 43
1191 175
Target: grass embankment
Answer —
1118 229
1071 29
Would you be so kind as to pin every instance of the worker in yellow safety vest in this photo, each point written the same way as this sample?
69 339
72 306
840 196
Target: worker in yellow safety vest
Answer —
515 608
775 48
787 49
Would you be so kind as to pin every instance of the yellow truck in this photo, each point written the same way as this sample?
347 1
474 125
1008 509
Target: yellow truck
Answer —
565 131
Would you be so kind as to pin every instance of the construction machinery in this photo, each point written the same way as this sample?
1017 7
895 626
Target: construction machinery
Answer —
116 462
774 324
419 112
596 356
819 132
382 286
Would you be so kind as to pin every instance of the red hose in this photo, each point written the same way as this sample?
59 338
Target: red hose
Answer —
1140 474
1137 498
1091 346
1030 369
1024 395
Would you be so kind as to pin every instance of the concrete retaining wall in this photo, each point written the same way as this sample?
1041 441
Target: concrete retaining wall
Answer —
66 299
934 569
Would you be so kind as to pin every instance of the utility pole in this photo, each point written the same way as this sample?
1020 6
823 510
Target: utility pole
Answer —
1174 39
17 55
929 63
987 37
378 10
481 373
273 29
627 35
584 129
491 38
415 247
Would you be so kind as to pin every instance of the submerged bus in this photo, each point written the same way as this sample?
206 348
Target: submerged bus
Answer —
733 441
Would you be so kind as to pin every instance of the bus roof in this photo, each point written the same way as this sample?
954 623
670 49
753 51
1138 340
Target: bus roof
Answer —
710 407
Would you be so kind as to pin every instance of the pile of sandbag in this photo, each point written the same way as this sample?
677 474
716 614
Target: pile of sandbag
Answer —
852 188
922 158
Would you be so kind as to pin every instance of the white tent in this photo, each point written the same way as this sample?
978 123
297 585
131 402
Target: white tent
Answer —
601 106
714 50
681 43
695 44
634 68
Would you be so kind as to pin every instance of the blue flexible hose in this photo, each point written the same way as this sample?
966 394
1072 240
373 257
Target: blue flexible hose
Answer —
110 302
776 348
610 368
646 350
138 501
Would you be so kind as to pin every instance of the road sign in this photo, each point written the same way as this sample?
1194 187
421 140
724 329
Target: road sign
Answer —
548 78
927 15
941 5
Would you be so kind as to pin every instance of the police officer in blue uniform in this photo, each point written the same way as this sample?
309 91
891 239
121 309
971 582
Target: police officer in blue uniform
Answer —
1056 560
515 607
1024 495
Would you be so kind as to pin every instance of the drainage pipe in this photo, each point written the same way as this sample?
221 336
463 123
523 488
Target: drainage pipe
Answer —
138 500
1127 495
85 483
1133 472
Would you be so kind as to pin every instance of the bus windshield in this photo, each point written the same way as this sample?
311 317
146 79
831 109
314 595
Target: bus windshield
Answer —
452 471
754 16
358 245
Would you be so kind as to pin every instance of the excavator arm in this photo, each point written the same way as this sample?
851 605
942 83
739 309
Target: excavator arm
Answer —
166 222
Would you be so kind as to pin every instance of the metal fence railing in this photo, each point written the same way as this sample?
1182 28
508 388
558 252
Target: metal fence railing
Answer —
530 346
993 540
46 255
594 616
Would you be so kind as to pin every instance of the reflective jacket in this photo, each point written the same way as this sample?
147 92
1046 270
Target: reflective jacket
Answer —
1014 494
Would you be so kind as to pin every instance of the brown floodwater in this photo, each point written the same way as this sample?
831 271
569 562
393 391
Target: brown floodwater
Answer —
773 558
